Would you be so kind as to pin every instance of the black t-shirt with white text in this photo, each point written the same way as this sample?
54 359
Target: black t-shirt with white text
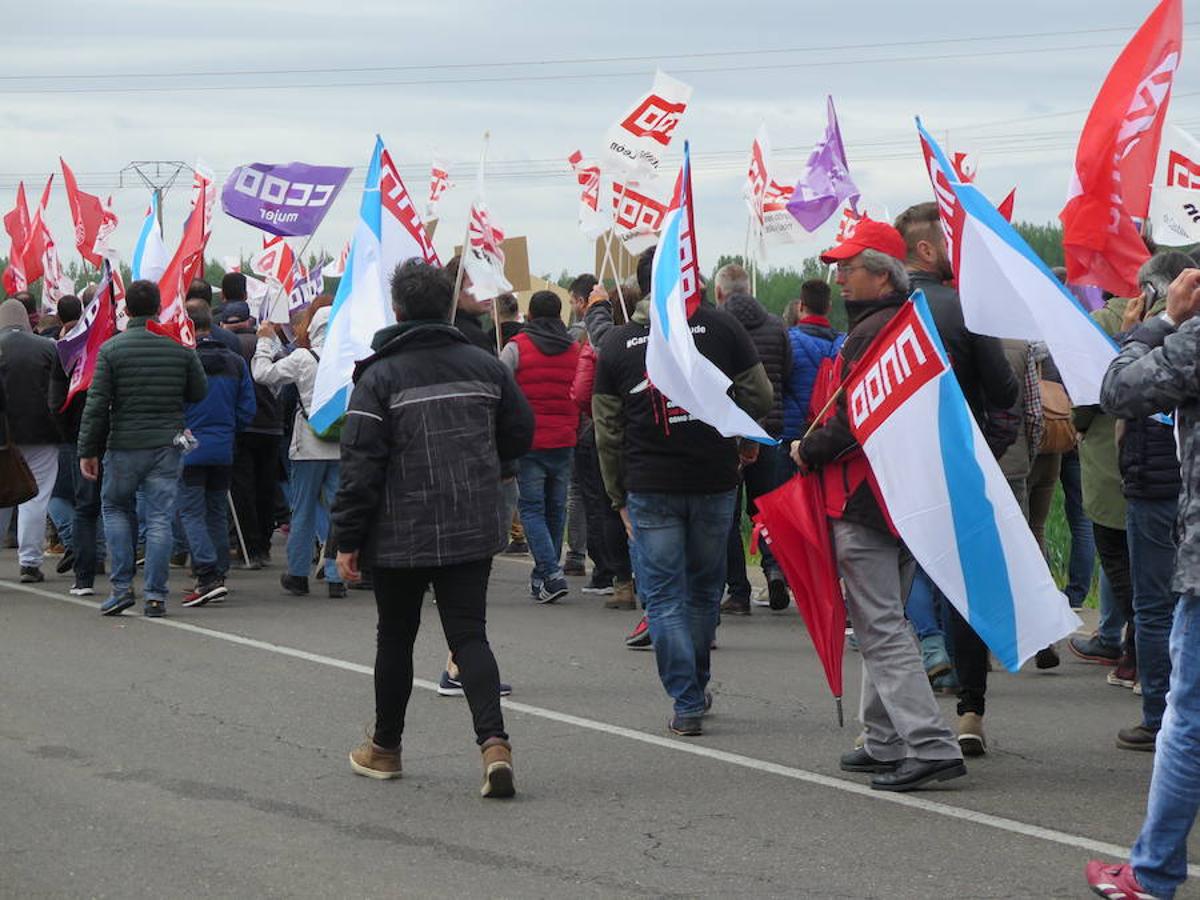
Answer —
666 450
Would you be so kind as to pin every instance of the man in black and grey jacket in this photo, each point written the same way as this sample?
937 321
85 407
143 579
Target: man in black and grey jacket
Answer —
771 468
430 423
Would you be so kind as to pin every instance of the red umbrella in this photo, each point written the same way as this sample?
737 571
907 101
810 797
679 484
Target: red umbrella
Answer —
793 521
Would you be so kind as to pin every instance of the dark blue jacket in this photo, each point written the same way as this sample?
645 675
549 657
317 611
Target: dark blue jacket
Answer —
226 409
812 342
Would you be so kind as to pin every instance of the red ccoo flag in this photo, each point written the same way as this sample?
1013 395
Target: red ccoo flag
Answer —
1117 152
88 214
16 223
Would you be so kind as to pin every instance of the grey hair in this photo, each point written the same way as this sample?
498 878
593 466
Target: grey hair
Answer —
881 264
1163 268
732 279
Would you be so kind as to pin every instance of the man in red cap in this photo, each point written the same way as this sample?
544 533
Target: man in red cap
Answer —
907 743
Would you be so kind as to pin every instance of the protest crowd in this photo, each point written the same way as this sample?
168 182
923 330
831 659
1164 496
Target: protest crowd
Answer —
626 441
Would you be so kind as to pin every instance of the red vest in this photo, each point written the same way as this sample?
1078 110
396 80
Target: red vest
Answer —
546 383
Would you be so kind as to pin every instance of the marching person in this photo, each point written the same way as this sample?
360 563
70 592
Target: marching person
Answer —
1156 372
135 409
907 742
430 422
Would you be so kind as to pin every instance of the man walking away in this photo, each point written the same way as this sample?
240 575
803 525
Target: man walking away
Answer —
135 408
214 422
673 479
430 421
26 361
1156 372
543 358
770 469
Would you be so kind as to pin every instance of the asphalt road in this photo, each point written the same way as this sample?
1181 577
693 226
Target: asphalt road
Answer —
205 755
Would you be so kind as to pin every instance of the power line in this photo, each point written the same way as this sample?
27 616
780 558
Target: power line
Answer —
425 82
91 76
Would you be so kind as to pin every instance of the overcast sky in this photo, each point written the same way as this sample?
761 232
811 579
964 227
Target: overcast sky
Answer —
228 82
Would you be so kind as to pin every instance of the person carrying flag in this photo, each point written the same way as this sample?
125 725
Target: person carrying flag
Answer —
907 742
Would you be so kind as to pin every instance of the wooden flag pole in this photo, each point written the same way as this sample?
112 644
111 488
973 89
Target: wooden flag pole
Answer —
466 244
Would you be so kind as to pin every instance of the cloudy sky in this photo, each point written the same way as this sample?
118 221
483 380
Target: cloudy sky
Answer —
237 81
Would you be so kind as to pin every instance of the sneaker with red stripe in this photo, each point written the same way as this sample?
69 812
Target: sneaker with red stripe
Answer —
639 638
1116 882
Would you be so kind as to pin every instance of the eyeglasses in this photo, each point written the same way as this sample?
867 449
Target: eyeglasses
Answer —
846 270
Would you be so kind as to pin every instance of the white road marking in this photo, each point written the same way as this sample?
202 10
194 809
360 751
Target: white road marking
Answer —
1013 826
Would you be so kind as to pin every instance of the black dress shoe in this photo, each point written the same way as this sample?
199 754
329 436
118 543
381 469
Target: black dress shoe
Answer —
861 761
915 773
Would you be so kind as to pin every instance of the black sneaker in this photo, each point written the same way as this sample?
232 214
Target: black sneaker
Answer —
1139 737
204 592
452 687
516 548
31 575
639 638
154 609
179 560
574 567
117 604
552 590
685 726
67 563
1092 649
1047 658
598 585
297 585
337 590
777 592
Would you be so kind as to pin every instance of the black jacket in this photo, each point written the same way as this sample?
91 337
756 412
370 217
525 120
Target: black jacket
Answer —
1148 461
26 361
268 416
472 330
774 350
66 419
429 423
508 331
979 363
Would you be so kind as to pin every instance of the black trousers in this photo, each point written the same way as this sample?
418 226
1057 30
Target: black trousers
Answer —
595 501
735 554
461 592
1112 547
255 473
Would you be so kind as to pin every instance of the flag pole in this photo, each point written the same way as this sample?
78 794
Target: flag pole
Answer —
272 299
466 244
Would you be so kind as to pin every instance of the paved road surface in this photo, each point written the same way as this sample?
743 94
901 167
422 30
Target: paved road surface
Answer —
205 755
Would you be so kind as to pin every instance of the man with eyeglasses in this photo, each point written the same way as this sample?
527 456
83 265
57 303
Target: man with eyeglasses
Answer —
907 743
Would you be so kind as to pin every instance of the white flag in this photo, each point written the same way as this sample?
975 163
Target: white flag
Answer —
1175 195
483 257
767 198
637 140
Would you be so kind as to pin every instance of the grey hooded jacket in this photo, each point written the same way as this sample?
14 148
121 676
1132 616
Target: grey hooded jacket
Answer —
1158 370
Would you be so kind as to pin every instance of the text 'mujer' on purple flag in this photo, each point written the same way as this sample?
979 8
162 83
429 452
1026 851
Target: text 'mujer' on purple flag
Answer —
825 183
287 199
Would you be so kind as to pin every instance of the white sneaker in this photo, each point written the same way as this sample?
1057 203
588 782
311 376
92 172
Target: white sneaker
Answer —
758 597
82 591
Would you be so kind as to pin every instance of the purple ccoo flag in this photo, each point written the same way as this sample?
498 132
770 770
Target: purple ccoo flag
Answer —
826 183
288 199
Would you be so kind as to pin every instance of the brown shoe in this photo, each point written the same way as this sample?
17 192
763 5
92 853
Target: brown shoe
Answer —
369 759
497 768
970 734
622 596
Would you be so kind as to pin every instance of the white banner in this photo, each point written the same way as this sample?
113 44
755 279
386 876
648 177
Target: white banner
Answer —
1175 194
637 140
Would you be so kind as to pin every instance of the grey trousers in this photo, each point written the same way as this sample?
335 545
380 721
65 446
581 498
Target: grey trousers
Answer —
577 536
900 716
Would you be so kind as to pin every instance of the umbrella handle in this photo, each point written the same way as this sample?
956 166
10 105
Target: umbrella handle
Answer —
841 718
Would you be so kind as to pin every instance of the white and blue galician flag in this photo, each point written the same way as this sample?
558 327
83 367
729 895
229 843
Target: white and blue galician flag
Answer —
676 369
1007 291
389 232
945 493
150 256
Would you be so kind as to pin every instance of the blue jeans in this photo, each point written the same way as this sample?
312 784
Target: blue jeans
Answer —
1082 562
679 564
923 606
1160 855
1150 528
204 516
543 480
156 474
313 486
62 513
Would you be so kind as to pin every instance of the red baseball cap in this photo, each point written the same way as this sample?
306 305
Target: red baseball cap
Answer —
868 235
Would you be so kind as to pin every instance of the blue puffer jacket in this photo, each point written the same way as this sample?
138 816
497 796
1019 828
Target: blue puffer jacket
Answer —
226 409
812 340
